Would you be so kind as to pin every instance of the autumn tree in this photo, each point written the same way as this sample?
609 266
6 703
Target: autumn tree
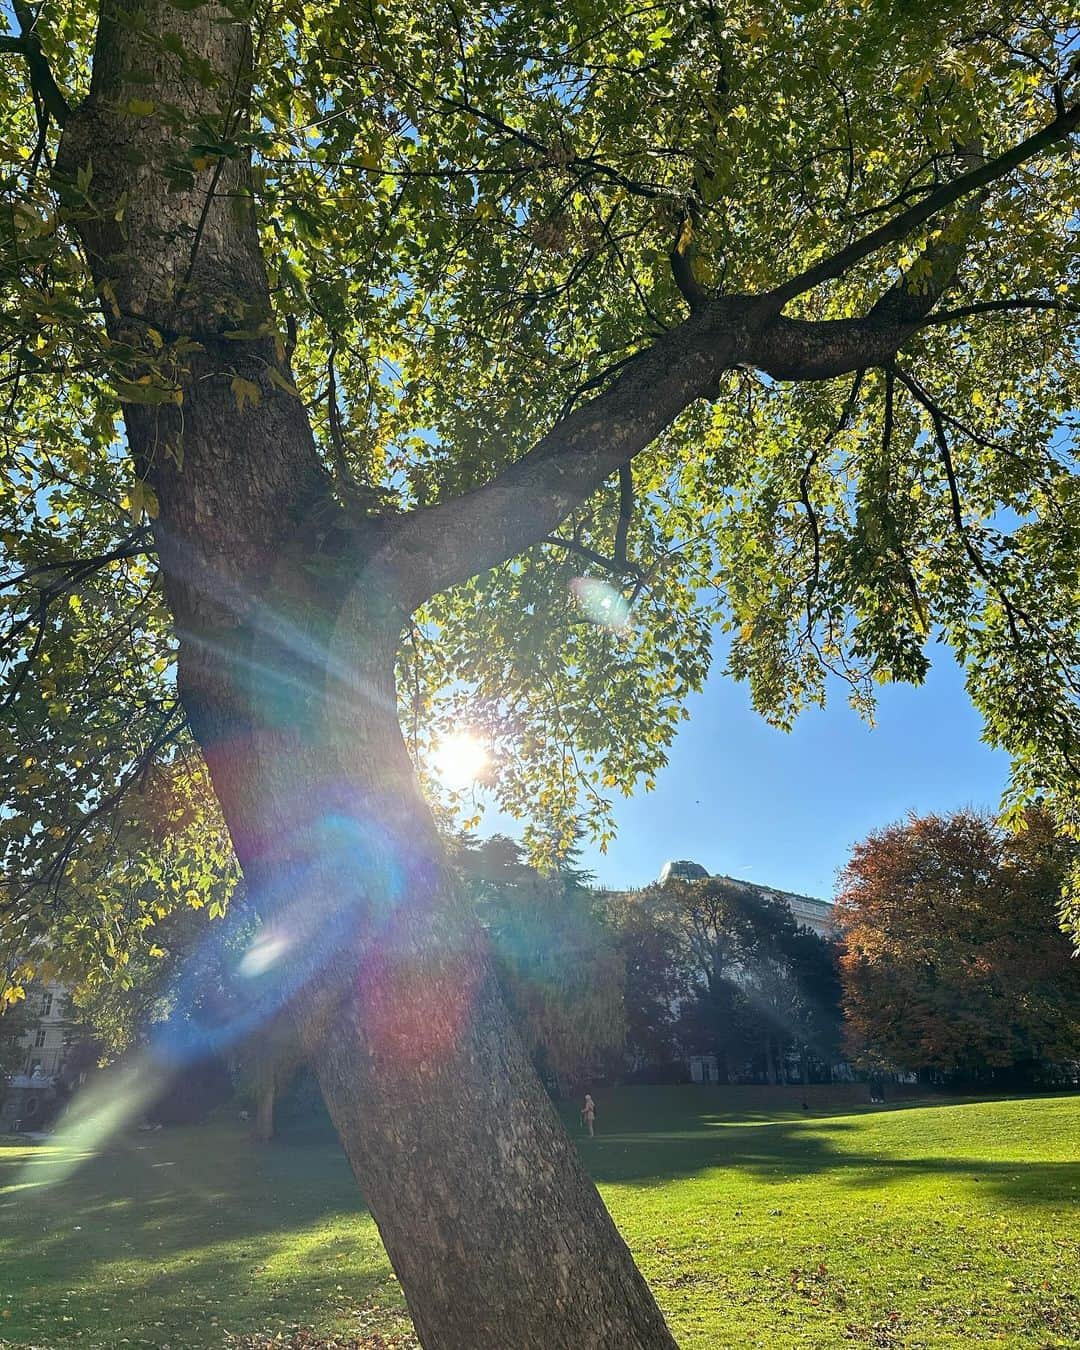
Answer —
367 369
954 958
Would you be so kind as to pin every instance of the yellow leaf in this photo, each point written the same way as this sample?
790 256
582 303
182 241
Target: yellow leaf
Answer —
139 500
278 379
140 107
244 392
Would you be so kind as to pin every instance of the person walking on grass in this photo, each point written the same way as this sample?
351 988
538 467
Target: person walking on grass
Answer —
588 1114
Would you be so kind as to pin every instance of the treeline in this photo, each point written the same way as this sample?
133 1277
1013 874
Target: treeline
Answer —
948 962
623 986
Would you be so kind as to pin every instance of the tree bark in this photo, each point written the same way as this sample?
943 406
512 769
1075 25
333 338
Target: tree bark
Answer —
288 626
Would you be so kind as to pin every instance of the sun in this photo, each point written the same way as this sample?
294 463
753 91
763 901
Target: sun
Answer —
460 758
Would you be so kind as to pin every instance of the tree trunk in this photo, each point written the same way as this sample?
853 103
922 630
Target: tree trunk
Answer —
497 1234
286 671
264 1111
770 1061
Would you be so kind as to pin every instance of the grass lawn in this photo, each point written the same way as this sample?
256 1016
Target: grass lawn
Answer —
937 1225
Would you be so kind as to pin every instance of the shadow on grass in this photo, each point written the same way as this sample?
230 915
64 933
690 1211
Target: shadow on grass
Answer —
173 1238
693 1136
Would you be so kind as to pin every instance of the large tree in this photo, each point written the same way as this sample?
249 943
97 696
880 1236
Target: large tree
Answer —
954 959
479 360
556 959
761 983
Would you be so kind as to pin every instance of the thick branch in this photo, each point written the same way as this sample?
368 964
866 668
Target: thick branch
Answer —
441 546
829 269
28 45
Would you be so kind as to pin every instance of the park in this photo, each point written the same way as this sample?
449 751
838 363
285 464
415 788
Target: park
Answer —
940 1224
539 673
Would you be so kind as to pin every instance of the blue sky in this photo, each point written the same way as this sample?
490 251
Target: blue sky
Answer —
783 808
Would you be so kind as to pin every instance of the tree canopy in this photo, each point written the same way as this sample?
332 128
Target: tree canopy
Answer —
556 956
476 218
760 982
953 958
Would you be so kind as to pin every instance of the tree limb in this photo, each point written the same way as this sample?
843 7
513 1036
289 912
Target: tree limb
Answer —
1021 302
619 568
28 45
682 265
137 543
829 269
433 548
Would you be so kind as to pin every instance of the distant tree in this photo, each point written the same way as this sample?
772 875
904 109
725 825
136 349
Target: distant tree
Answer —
761 981
817 1023
655 976
954 958
555 957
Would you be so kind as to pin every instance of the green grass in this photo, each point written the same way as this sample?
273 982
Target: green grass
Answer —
937 1225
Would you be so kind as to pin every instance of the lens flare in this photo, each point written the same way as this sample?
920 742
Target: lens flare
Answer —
460 759
101 1110
601 603
266 951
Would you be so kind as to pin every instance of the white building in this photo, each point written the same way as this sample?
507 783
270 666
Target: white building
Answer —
810 913
30 1094
45 1045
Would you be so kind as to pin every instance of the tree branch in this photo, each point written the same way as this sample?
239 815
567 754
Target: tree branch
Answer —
937 418
440 546
136 544
433 548
614 565
28 45
1022 302
682 265
829 269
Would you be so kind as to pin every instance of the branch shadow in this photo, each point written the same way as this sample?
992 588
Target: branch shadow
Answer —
696 1137
168 1226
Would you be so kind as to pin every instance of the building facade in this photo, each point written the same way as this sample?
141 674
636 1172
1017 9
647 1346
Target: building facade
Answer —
46 1044
810 913
31 1094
